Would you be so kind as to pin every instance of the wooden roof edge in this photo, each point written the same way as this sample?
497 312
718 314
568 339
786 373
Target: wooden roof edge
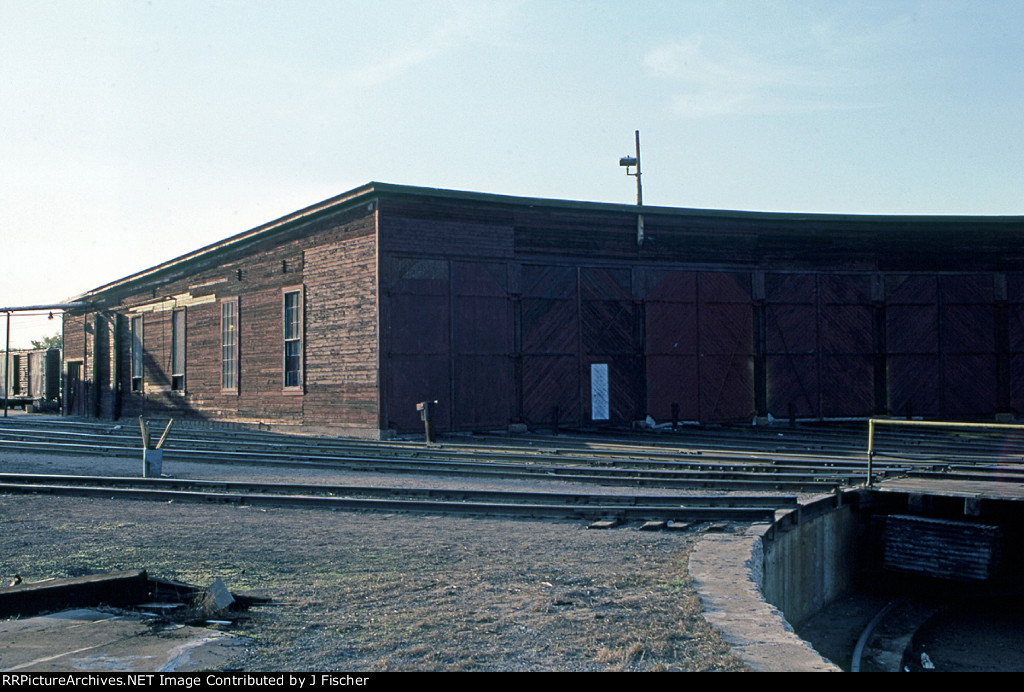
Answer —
512 200
280 225
373 190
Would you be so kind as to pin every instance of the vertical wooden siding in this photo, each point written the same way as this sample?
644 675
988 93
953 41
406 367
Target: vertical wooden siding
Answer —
791 345
446 314
499 309
449 339
700 345
549 344
726 331
912 339
968 346
484 385
418 333
1015 340
847 337
610 333
671 344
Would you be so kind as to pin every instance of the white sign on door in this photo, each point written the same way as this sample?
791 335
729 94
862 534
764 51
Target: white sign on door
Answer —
599 391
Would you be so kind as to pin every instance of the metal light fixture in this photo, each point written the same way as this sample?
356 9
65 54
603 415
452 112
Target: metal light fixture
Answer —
628 162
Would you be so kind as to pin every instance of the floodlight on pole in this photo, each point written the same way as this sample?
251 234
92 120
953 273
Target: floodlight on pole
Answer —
628 162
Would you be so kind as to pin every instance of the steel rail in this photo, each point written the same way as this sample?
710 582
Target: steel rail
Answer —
995 474
865 635
916 453
732 440
308 489
949 425
798 444
508 509
817 465
621 456
821 482
809 451
752 466
816 470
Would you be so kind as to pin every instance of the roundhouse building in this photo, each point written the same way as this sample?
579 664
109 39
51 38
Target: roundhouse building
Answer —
512 311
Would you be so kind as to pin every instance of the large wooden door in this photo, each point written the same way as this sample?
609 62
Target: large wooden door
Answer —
847 340
612 391
791 345
699 345
912 345
484 386
549 345
725 323
967 334
74 392
671 345
418 334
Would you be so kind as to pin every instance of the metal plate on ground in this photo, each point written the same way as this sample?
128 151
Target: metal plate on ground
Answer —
87 639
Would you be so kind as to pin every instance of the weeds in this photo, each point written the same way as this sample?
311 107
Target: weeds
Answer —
360 592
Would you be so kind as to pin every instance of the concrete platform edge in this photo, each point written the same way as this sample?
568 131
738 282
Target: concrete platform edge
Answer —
724 569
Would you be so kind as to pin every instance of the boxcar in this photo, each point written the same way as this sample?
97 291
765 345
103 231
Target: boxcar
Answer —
31 378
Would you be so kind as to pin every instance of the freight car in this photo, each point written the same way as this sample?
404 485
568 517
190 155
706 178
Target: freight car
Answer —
31 378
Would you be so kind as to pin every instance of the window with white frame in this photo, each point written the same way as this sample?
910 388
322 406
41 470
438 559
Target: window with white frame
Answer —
293 339
136 353
229 345
178 351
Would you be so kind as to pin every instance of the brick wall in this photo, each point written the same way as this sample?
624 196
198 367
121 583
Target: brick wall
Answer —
331 261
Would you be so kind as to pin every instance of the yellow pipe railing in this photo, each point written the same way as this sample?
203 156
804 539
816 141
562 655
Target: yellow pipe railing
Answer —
872 422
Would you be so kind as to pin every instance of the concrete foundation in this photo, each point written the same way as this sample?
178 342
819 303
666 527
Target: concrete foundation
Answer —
753 585
812 561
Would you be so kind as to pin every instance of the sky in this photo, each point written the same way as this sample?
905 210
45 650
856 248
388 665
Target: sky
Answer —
133 132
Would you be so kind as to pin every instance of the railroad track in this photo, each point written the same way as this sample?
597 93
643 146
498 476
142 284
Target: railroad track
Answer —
541 505
663 469
817 446
741 459
561 449
582 460
735 461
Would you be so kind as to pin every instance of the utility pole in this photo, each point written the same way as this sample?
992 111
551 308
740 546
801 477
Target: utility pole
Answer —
628 162
7 364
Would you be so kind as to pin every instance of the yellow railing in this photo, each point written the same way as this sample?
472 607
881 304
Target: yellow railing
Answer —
872 422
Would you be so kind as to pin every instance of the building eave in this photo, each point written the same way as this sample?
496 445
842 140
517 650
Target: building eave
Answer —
260 233
374 190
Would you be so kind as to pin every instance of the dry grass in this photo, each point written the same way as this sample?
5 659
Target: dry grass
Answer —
374 592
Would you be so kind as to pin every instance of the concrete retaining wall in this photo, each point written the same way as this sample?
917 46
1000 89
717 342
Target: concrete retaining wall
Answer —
752 586
810 560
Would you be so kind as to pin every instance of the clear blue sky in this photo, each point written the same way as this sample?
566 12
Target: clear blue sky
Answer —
133 132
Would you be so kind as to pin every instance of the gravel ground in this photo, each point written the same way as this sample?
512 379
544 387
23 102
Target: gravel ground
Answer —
361 591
